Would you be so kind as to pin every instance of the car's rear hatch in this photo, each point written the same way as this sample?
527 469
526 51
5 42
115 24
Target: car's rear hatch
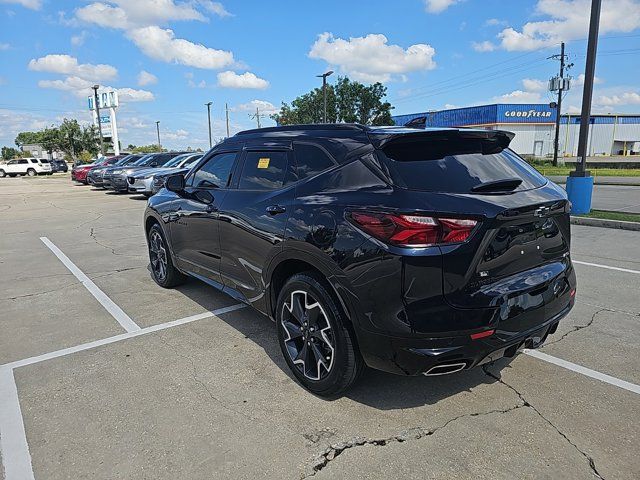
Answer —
517 259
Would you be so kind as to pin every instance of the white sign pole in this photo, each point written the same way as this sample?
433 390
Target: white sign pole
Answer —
114 132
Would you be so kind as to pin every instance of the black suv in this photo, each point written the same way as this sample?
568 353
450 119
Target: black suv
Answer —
411 251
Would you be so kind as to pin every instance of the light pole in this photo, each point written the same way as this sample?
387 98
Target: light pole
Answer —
95 100
209 118
580 181
158 131
324 93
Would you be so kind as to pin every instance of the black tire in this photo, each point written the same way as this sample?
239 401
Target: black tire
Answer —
2 173
162 269
13 175
31 172
330 341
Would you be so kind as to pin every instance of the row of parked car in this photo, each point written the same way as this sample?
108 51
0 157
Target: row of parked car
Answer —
32 167
135 173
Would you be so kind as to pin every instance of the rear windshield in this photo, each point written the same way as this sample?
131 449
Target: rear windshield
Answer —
455 166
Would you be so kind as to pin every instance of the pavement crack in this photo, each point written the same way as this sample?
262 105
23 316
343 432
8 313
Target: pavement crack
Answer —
198 381
334 450
35 294
92 234
577 328
525 403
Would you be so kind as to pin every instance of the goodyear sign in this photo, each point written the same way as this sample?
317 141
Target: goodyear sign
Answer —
537 113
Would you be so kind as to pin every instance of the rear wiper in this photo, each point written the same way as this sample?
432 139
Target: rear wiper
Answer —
504 185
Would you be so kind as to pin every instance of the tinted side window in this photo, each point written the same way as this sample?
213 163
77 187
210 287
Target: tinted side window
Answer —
263 170
215 173
22 162
311 160
33 160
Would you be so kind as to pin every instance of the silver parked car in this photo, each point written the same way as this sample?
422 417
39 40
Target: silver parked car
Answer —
142 181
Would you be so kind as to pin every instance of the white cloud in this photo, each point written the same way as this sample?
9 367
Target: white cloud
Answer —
31 4
68 65
370 58
78 40
216 8
231 79
492 22
485 46
4 46
263 106
568 20
450 106
579 81
81 88
626 98
146 78
161 44
137 13
534 85
438 6
519 96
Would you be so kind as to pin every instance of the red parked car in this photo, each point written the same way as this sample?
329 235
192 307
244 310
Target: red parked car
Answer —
79 172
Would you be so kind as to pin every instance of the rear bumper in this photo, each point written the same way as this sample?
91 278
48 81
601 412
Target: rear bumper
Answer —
413 356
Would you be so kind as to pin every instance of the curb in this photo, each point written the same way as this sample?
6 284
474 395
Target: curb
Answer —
600 222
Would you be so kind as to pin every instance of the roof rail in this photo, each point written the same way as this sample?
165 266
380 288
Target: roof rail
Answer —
302 127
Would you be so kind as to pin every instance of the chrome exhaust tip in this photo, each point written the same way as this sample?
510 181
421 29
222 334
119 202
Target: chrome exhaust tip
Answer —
445 369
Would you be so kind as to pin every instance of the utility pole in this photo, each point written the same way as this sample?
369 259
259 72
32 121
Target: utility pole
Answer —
324 93
256 116
95 99
158 131
561 86
209 119
580 182
226 110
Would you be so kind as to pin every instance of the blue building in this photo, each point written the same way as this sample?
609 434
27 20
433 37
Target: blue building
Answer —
534 126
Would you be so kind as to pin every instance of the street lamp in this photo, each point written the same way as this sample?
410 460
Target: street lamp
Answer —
158 131
324 93
95 100
208 104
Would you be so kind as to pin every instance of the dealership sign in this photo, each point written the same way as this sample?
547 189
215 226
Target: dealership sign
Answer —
527 114
105 100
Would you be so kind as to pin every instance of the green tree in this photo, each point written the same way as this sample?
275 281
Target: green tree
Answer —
347 102
145 148
27 138
9 152
89 140
50 139
70 137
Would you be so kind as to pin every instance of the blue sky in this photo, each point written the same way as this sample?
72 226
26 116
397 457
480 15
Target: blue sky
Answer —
169 57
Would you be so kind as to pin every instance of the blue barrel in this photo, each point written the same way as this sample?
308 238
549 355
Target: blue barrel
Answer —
579 190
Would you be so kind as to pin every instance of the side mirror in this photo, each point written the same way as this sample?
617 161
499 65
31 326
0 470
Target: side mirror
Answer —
175 183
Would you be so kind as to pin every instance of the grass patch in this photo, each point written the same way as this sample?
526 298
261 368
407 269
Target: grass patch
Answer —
606 215
595 172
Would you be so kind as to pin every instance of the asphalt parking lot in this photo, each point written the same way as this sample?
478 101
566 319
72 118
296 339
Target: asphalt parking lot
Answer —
105 375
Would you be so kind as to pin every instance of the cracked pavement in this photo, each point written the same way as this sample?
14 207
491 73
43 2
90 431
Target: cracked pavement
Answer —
214 399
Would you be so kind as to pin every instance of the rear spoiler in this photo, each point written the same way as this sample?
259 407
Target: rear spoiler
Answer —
492 141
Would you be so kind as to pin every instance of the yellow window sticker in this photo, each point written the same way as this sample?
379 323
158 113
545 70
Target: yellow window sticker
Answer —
263 163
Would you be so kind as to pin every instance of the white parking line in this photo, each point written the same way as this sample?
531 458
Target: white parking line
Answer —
13 441
608 267
123 336
14 449
114 310
574 367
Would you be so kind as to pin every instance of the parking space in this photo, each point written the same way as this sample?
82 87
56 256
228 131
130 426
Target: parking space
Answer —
197 388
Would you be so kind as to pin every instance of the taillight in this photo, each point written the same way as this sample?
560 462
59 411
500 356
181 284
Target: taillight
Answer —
413 230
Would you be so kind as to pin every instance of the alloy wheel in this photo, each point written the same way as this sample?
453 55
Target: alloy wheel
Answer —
309 339
158 256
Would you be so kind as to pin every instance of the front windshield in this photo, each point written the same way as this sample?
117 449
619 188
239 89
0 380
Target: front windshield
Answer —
176 160
192 161
143 160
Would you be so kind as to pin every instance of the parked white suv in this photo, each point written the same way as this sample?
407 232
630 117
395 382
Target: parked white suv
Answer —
26 166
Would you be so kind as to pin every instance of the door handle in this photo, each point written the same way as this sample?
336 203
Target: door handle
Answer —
211 208
275 209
